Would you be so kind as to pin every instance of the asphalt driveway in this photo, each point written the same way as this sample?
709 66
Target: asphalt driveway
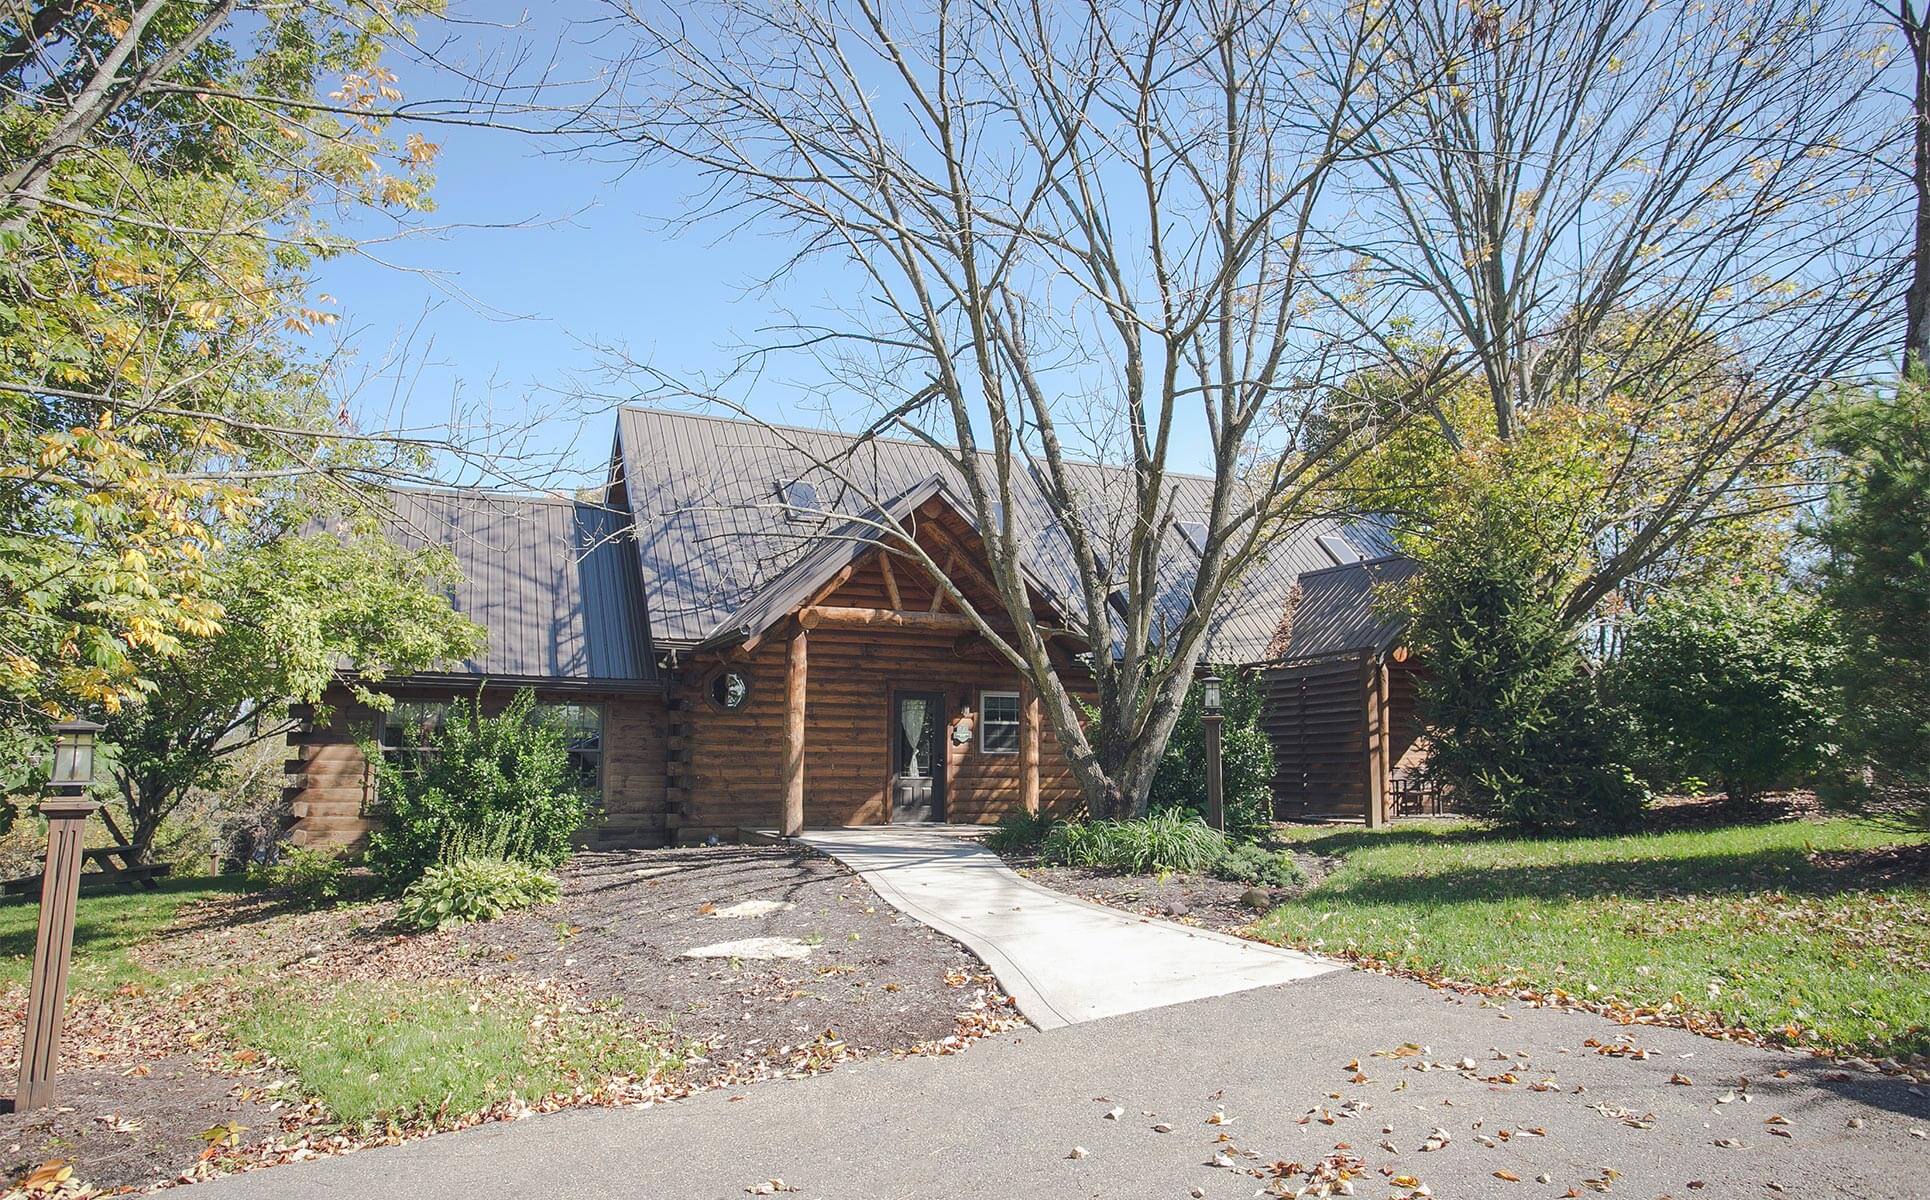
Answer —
1356 1070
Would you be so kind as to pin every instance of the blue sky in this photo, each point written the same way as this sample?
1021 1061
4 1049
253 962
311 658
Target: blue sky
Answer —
509 317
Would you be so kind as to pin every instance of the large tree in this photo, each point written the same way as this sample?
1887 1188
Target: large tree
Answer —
1070 231
165 170
298 613
1663 228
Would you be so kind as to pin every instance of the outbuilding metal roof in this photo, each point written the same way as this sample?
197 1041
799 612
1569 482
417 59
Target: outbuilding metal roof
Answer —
719 533
553 579
1343 609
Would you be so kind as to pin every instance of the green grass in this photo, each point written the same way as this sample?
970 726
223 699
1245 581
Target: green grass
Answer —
1734 923
406 1052
107 927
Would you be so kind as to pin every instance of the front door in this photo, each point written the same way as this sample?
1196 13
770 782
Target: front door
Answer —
918 756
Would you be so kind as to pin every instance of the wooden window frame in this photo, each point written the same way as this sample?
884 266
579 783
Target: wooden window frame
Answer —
712 676
1017 723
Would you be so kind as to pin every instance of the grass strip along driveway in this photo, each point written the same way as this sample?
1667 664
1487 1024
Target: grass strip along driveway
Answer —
1802 932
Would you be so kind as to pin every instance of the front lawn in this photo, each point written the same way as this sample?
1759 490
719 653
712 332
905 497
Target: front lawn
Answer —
107 926
1790 930
399 1050
209 1030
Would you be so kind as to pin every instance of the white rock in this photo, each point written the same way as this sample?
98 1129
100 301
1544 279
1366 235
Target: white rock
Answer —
754 908
757 947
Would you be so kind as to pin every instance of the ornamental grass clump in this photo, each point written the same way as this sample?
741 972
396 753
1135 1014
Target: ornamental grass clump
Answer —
1174 840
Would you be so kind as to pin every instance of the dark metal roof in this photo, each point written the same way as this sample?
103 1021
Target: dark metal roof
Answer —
554 580
1340 609
720 549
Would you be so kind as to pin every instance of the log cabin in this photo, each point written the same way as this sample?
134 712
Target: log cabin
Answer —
734 643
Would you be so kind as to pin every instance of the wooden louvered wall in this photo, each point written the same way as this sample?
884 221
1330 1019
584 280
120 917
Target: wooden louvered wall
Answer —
1314 713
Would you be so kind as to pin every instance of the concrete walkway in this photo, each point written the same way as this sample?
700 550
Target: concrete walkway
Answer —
1063 960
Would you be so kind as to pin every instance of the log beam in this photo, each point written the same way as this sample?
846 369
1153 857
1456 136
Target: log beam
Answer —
890 618
1029 748
791 819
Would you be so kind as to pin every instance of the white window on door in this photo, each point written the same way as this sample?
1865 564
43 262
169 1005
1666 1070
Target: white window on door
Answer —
998 723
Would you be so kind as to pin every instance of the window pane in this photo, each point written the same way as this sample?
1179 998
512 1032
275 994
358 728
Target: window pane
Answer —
410 723
582 727
999 712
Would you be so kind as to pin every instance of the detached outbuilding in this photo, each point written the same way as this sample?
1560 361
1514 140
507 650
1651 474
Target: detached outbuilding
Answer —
734 644
1340 703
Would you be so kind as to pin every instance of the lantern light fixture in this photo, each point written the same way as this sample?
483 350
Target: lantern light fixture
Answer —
74 754
1210 694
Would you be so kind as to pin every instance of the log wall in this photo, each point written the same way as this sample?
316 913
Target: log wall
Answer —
331 788
728 767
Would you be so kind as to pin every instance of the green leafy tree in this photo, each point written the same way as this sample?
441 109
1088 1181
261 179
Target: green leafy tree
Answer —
1878 575
1515 727
1733 684
498 786
162 166
1246 759
298 612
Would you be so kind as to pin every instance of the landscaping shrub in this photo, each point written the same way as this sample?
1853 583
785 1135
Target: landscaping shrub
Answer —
1174 840
501 785
1733 684
1246 759
1248 863
1877 578
313 877
1517 729
473 889
1018 832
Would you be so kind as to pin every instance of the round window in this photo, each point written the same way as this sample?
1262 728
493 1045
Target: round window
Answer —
730 689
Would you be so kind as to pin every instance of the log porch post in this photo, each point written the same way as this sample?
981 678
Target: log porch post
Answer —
53 950
1028 747
1374 725
791 819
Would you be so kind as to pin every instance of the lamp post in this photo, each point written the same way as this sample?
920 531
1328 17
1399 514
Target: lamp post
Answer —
1210 719
66 809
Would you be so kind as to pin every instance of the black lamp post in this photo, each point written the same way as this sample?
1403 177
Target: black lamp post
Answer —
66 809
1210 719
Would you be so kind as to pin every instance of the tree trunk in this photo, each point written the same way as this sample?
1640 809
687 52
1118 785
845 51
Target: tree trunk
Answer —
1916 345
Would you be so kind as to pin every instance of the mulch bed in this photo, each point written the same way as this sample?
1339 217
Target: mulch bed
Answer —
875 977
149 1079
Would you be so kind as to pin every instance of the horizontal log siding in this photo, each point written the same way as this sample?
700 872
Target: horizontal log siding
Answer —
331 788
735 770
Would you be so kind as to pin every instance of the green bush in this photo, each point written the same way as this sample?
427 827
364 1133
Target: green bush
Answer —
1246 759
473 889
1516 728
501 786
1019 832
313 877
1877 577
1248 863
1174 840
1731 683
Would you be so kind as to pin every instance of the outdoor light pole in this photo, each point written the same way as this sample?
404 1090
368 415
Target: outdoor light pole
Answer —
66 809
1210 719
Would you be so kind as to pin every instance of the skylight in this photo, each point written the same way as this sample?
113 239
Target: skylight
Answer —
800 499
1194 532
1338 549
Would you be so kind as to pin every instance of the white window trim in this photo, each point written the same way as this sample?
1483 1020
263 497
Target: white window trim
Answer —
985 723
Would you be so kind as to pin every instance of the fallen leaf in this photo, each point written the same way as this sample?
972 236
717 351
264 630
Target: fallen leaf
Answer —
1681 1080
1113 1114
1507 1176
1077 1152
